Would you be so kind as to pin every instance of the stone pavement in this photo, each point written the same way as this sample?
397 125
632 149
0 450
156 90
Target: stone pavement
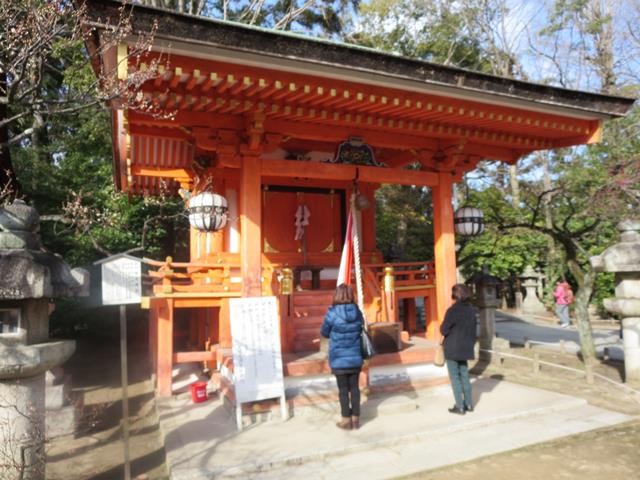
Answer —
401 433
542 333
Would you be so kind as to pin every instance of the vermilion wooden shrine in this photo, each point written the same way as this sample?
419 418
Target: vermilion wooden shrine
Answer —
263 113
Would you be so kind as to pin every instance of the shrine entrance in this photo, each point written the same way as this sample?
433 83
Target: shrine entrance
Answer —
303 228
285 126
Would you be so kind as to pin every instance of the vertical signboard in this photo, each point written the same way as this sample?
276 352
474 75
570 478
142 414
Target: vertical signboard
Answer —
257 357
121 285
121 282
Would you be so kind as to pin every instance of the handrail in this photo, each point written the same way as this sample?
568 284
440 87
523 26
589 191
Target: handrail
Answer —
587 372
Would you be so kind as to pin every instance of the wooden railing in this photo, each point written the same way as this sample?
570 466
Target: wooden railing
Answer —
190 277
406 275
224 277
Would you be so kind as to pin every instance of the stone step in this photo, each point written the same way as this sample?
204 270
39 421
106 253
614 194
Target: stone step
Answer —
378 459
400 434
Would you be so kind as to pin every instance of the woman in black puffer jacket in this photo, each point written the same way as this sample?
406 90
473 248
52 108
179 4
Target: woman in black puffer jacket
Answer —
459 332
343 327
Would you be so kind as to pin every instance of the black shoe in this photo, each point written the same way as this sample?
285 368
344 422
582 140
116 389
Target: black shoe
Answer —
468 408
456 410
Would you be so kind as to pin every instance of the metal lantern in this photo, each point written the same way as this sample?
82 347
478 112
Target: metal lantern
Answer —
208 211
468 221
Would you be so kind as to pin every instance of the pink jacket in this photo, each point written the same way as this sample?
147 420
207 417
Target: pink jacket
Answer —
563 294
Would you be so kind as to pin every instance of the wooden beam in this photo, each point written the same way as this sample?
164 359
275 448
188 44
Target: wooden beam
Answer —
334 133
177 173
159 132
594 136
398 176
188 357
315 170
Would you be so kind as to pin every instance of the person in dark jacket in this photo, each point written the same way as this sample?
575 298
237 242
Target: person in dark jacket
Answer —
343 326
459 332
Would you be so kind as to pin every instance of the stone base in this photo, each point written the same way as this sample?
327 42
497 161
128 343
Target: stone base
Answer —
631 341
57 396
61 421
22 426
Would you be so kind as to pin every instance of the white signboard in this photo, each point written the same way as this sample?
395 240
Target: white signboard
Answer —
257 360
121 281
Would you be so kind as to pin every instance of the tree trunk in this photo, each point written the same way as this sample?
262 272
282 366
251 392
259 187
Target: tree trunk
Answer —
515 186
554 265
585 281
8 180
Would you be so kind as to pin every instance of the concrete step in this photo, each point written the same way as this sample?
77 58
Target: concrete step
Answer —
412 454
395 439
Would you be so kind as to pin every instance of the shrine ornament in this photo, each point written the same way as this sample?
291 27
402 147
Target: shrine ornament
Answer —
468 221
207 211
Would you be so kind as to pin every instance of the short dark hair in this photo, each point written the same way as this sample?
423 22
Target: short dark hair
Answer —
344 294
460 292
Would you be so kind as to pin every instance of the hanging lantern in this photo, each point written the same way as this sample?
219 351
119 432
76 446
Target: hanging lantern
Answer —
207 211
468 221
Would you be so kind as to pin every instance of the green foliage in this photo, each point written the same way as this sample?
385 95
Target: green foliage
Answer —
70 177
430 30
506 256
320 18
404 228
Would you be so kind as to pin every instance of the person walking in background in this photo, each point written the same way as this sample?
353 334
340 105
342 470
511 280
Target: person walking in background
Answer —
459 332
564 298
343 326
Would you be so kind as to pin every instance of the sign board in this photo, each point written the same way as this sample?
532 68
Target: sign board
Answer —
257 358
121 280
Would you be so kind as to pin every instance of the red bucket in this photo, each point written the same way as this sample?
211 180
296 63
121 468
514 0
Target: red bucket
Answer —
199 392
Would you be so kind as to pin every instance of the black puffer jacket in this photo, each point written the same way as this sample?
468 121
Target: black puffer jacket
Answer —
459 331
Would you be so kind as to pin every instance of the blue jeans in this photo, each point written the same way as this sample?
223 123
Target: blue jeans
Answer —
562 311
459 376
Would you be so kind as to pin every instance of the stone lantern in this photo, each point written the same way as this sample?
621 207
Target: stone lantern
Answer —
531 304
29 279
623 259
487 299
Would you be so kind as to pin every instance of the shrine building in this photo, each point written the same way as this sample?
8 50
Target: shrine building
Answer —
287 130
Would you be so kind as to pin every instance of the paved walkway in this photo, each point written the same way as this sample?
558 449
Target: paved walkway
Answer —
544 333
400 434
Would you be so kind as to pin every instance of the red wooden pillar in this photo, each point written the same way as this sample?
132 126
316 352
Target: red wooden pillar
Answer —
250 235
431 317
224 324
444 243
369 220
153 338
165 348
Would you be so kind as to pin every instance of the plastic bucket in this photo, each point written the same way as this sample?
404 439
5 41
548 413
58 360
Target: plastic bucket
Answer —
198 392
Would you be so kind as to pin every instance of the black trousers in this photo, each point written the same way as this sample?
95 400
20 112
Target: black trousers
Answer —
349 393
